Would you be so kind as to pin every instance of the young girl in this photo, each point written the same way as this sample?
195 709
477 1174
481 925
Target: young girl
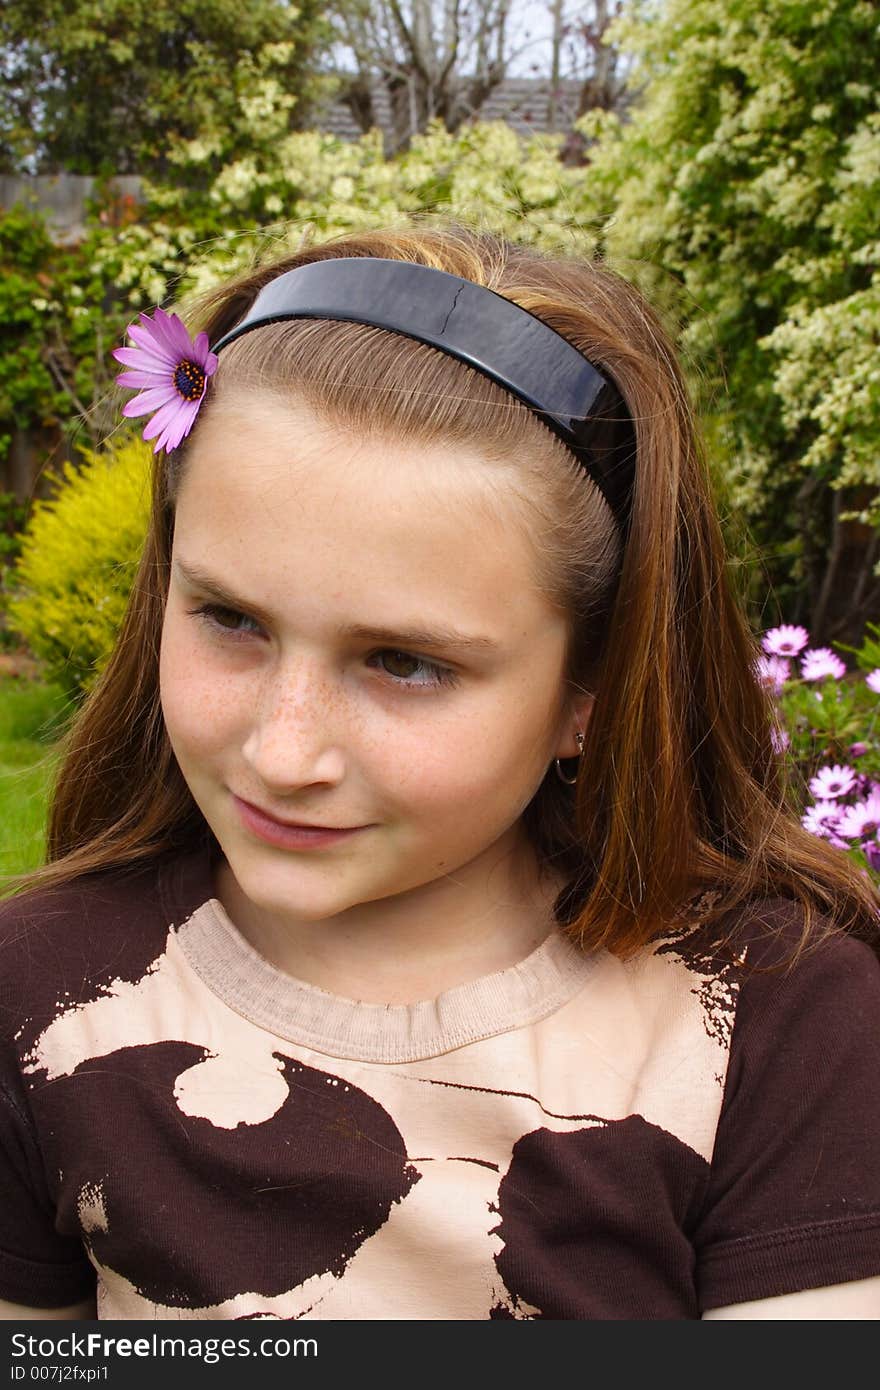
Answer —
425 932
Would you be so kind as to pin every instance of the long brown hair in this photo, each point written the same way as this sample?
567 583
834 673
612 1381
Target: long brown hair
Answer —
680 789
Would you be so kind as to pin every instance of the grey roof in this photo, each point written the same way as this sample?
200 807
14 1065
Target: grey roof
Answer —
523 102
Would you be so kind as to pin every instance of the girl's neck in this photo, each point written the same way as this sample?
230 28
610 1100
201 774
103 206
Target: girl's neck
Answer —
488 915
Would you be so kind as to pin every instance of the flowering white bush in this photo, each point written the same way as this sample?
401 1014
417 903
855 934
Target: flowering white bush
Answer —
743 193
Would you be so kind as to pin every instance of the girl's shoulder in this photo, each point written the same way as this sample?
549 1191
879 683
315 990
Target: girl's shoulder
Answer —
792 1199
68 942
766 936
772 975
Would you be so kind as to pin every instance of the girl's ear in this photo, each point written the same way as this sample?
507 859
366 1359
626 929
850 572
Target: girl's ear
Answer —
576 720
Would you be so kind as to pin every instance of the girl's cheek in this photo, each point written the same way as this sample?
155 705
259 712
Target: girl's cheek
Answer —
457 768
208 708
196 698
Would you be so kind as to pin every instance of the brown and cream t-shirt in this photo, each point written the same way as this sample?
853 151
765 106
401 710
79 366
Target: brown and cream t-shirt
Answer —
203 1136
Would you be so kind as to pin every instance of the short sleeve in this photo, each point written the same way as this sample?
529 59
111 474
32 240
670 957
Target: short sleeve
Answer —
793 1199
64 946
38 1267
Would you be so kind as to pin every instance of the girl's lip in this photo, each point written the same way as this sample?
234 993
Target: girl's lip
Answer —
285 833
293 824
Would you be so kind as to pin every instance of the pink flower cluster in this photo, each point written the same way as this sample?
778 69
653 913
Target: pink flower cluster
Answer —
844 823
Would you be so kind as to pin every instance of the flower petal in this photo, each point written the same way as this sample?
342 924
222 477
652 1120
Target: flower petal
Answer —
179 428
137 357
168 416
131 410
138 379
147 362
177 431
164 416
147 339
160 442
178 336
201 354
152 399
171 332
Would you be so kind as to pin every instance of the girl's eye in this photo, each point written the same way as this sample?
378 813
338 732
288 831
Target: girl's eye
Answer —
438 675
228 622
214 615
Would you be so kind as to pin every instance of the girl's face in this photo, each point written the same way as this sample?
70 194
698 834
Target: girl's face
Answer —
352 638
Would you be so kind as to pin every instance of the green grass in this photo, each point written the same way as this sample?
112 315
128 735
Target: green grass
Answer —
31 718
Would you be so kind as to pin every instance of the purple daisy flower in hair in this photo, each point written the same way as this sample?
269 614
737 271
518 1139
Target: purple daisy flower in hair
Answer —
171 374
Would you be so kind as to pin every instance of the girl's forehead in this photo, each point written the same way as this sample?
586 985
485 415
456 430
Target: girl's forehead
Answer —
262 460
291 503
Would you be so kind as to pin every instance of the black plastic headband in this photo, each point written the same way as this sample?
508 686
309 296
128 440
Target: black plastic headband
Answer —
523 354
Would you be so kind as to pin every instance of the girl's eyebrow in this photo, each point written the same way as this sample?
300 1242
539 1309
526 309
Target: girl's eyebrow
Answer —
445 637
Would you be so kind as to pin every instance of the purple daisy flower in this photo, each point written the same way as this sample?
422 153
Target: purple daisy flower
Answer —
786 640
872 680
819 662
171 374
772 671
821 819
831 782
863 819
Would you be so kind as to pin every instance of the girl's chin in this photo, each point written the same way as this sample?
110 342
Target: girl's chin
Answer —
317 893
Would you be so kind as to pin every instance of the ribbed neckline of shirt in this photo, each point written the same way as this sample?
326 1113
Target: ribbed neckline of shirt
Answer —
302 1013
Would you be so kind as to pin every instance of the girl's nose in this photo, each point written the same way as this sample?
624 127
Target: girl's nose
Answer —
293 740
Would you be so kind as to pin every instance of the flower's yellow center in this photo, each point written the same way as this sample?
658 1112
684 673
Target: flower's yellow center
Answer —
189 380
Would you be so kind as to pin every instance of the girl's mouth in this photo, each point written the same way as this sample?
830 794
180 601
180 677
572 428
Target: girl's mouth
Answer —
285 835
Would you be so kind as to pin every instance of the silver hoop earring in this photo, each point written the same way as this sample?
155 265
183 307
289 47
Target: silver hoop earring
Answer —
570 781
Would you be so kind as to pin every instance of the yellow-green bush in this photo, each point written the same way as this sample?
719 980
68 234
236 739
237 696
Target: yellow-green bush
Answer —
69 587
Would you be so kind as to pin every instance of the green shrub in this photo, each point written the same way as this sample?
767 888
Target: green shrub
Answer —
13 515
69 587
59 316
